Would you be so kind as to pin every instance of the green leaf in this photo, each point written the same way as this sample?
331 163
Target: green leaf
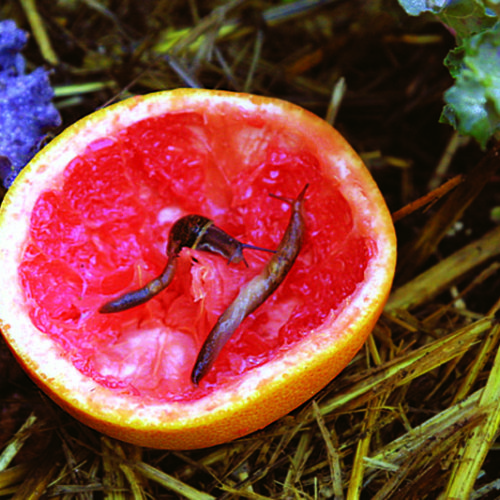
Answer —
467 18
464 17
417 7
473 103
494 5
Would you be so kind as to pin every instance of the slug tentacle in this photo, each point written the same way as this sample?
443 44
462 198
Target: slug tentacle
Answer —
259 289
191 231
217 241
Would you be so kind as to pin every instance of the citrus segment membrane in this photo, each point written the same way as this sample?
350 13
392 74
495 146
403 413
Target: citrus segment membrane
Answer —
103 231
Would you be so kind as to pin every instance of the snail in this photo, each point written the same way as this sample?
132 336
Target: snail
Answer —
260 288
191 231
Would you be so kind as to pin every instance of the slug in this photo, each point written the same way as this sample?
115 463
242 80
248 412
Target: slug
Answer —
191 231
257 290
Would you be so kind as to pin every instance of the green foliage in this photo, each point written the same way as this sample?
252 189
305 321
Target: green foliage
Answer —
464 17
473 103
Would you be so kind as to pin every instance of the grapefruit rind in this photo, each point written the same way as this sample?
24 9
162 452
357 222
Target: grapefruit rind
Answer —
263 394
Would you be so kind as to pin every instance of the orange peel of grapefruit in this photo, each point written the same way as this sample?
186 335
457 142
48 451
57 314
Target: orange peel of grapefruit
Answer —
258 396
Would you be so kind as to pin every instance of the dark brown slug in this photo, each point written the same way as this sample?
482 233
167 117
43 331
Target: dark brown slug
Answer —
191 231
257 290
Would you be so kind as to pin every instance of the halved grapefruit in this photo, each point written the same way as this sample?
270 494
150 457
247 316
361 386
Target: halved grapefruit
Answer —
89 218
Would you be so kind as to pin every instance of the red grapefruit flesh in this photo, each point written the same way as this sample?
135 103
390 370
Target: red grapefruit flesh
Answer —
89 218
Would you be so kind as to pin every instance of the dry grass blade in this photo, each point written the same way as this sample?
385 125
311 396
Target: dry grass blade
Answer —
119 476
425 464
362 449
214 458
298 461
479 442
455 143
113 478
440 277
256 475
16 443
39 31
488 347
338 92
257 50
333 454
136 488
214 19
239 493
398 451
371 418
42 473
11 477
169 482
404 369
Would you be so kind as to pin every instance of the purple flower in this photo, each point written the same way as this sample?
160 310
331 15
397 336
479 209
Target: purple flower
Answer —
26 110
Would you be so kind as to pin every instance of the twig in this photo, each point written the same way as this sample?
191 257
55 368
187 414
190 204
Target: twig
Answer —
418 251
427 199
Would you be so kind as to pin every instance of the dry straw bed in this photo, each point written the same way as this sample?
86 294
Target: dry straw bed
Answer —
416 414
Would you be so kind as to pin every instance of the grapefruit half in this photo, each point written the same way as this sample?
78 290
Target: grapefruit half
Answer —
89 218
